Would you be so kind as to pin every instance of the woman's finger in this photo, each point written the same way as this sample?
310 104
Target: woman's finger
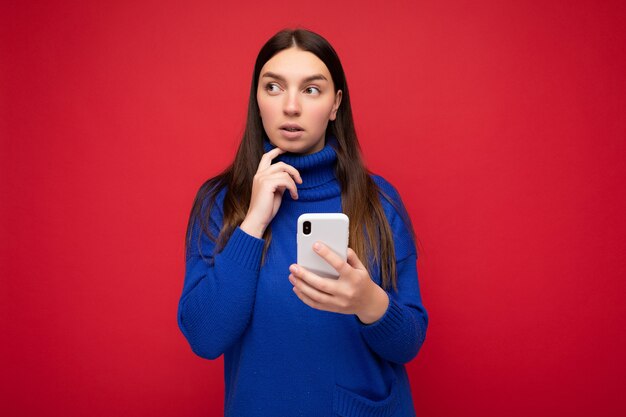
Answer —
266 159
283 180
281 166
309 279
331 257
354 260
306 300
311 292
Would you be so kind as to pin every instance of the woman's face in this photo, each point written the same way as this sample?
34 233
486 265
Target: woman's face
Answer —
296 88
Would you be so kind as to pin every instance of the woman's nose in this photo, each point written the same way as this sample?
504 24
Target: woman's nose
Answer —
292 104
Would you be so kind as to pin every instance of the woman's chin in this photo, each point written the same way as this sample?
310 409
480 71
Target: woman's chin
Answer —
294 146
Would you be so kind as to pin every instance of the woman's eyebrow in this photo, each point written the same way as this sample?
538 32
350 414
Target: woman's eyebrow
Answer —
306 80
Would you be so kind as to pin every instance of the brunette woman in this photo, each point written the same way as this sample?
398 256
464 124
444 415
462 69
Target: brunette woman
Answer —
294 343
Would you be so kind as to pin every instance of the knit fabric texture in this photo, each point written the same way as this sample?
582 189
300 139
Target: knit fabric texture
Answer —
283 358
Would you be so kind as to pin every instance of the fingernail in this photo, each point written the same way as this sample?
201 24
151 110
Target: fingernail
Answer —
317 246
293 268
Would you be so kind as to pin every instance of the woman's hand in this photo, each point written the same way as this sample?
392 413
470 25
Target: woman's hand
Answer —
268 186
353 292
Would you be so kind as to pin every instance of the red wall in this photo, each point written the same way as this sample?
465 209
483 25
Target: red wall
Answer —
503 125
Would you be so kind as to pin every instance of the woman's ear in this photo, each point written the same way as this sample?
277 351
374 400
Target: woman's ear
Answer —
333 113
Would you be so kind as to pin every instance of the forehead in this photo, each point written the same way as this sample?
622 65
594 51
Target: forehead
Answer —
295 64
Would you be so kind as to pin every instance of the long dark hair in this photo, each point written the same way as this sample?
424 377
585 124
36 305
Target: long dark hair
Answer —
359 193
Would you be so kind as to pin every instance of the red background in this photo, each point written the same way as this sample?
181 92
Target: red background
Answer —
501 123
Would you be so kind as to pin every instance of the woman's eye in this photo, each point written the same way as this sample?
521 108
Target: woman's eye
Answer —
315 88
268 87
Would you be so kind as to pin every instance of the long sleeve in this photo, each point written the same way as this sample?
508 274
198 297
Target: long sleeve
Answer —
399 334
218 297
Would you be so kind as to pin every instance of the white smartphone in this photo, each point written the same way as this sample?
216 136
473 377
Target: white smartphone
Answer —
331 229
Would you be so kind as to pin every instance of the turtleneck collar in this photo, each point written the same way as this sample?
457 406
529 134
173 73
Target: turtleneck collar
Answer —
317 170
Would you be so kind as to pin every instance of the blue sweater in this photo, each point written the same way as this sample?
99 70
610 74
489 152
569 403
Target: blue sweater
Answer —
283 358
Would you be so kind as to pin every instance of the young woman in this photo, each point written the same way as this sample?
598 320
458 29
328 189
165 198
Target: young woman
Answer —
294 343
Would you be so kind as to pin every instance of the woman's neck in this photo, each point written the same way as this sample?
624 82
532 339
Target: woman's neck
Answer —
316 169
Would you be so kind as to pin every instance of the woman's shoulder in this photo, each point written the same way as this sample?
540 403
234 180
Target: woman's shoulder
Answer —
391 199
207 212
397 215
211 193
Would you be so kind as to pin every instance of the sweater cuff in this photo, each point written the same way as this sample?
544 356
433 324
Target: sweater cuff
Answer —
245 249
387 326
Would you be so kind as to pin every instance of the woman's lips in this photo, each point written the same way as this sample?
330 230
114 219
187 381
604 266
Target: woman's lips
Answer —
291 134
